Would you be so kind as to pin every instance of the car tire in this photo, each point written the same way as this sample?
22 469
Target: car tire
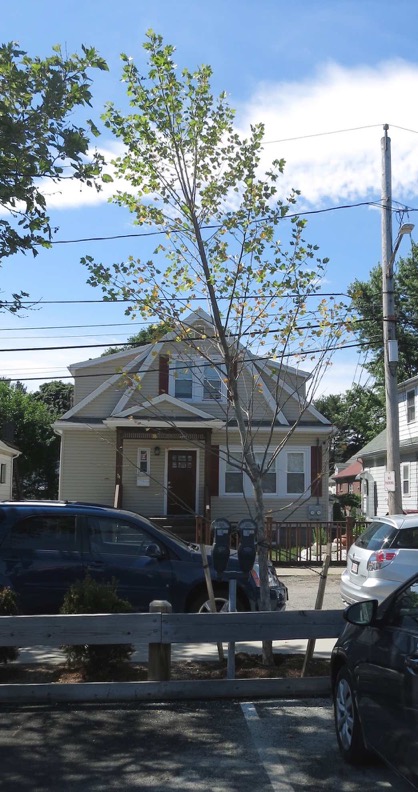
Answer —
202 604
347 722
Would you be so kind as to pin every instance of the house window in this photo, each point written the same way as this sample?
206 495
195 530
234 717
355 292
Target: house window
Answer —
287 475
234 477
270 477
183 381
350 487
406 473
143 467
3 469
212 386
295 472
410 406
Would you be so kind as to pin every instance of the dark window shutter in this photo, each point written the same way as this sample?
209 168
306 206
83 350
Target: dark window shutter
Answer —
163 374
214 471
316 471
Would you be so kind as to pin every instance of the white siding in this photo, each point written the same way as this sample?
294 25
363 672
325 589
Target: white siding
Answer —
6 486
87 466
295 509
407 429
151 501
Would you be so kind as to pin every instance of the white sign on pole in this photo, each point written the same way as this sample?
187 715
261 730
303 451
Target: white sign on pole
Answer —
389 481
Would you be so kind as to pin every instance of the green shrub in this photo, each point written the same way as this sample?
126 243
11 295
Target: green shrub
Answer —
88 596
8 607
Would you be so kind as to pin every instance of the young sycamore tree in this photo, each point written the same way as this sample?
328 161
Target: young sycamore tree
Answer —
192 177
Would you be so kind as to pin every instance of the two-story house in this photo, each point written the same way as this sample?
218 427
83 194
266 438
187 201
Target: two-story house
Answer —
373 457
152 430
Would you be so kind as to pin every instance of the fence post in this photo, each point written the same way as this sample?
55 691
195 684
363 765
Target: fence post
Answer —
159 654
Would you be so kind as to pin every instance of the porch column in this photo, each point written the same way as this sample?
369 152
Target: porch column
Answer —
207 482
118 468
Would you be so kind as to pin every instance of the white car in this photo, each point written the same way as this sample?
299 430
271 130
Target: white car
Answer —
384 556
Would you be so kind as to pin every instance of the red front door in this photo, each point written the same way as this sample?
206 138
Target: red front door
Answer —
181 482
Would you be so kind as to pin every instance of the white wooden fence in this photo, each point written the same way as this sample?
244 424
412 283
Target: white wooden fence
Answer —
160 631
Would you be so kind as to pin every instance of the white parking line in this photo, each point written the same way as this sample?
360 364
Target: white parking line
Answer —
269 755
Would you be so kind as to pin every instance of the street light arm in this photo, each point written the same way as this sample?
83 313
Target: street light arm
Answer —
407 228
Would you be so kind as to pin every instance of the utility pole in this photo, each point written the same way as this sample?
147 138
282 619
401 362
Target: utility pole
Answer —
390 344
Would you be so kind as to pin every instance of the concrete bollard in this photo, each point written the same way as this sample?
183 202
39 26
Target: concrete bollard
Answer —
159 654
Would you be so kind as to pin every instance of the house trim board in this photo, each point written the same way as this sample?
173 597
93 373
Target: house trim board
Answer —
102 388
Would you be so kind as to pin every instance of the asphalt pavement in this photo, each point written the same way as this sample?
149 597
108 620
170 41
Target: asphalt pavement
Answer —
222 746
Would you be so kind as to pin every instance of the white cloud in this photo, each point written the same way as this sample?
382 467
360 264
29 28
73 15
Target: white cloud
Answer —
345 166
330 168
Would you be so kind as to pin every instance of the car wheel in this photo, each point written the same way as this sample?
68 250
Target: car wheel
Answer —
202 604
347 722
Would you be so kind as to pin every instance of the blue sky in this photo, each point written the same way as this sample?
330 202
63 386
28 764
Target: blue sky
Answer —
303 68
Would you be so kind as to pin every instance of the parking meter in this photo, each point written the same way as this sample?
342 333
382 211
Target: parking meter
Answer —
247 530
221 544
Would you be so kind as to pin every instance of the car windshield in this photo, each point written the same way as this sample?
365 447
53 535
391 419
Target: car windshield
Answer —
378 535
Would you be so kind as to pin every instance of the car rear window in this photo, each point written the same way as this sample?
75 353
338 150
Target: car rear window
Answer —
376 536
407 539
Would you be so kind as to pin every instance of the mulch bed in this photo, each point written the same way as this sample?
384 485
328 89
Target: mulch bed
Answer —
247 666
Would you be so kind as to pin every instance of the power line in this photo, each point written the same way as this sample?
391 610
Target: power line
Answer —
219 225
73 327
252 333
353 322
166 299
252 359
331 132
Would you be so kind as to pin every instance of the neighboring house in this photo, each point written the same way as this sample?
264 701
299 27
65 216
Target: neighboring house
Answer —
8 453
346 478
151 429
373 457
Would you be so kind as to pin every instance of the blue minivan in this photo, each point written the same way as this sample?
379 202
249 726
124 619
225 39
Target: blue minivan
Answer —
45 546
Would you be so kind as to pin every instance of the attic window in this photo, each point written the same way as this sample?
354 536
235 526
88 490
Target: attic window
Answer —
211 384
200 330
183 381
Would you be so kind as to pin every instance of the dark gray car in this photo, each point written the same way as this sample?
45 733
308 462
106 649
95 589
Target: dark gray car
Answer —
374 672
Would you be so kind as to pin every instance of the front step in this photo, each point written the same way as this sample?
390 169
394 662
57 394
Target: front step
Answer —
182 525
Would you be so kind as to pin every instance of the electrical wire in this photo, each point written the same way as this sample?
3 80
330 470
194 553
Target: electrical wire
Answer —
215 226
331 132
186 300
252 359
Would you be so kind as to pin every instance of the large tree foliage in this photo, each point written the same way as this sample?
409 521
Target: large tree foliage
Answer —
367 303
27 423
146 336
39 141
358 414
195 179
56 395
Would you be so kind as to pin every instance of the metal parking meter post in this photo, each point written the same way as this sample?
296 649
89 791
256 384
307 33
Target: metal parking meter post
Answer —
232 604
211 595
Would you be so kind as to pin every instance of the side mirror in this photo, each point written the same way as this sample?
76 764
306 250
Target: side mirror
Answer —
361 614
247 530
153 550
221 544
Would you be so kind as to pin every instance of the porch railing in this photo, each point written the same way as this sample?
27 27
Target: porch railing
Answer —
300 543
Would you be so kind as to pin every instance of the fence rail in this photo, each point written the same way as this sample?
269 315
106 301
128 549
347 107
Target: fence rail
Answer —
160 631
